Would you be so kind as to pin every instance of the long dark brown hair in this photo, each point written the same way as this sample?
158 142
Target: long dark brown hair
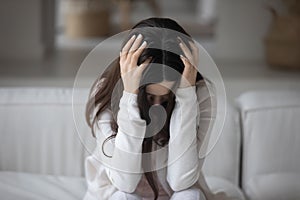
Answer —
163 48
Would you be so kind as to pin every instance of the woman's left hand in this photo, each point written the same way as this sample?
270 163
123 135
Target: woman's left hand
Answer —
190 61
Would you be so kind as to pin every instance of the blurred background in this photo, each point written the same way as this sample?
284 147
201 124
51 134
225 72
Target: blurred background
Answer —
255 43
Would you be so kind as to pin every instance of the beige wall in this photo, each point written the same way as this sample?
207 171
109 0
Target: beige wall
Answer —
21 29
242 25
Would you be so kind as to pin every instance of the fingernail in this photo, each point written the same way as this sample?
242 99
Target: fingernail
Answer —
139 36
144 43
132 37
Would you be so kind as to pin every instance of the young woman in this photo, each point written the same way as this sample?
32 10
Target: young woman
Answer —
156 106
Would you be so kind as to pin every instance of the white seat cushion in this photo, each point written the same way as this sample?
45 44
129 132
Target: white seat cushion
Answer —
26 186
221 185
285 186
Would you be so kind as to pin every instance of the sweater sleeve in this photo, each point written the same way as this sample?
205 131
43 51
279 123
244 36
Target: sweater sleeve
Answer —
183 163
124 167
128 145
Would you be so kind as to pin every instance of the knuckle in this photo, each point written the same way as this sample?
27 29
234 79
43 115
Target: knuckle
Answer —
135 55
125 63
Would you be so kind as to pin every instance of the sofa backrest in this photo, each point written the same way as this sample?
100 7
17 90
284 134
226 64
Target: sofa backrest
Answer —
271 144
38 135
37 132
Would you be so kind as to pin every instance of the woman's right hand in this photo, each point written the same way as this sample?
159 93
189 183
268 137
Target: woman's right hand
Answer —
130 72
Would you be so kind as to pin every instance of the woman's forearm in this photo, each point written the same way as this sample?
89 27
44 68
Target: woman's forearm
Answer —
128 145
183 164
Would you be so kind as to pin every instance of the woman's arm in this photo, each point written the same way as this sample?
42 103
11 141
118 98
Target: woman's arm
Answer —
101 179
124 169
183 163
128 145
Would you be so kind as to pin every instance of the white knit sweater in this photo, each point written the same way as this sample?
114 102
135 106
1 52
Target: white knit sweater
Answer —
183 165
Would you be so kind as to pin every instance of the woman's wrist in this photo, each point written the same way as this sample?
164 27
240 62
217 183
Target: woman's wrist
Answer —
129 97
132 91
187 90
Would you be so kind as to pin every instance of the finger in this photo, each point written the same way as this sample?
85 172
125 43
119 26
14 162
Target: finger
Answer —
189 73
187 65
127 46
193 46
144 64
138 52
191 53
147 61
122 55
195 50
185 61
185 49
136 44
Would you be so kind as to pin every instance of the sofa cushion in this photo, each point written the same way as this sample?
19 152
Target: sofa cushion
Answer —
218 184
274 186
271 140
26 186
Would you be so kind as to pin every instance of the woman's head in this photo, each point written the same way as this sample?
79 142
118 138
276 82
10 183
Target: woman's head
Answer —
161 35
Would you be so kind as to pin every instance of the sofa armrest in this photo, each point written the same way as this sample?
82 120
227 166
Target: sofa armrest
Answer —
271 139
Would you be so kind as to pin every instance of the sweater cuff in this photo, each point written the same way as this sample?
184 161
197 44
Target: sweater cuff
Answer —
186 93
129 119
129 102
129 98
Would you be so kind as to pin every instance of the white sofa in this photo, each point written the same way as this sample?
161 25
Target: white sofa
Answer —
42 157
